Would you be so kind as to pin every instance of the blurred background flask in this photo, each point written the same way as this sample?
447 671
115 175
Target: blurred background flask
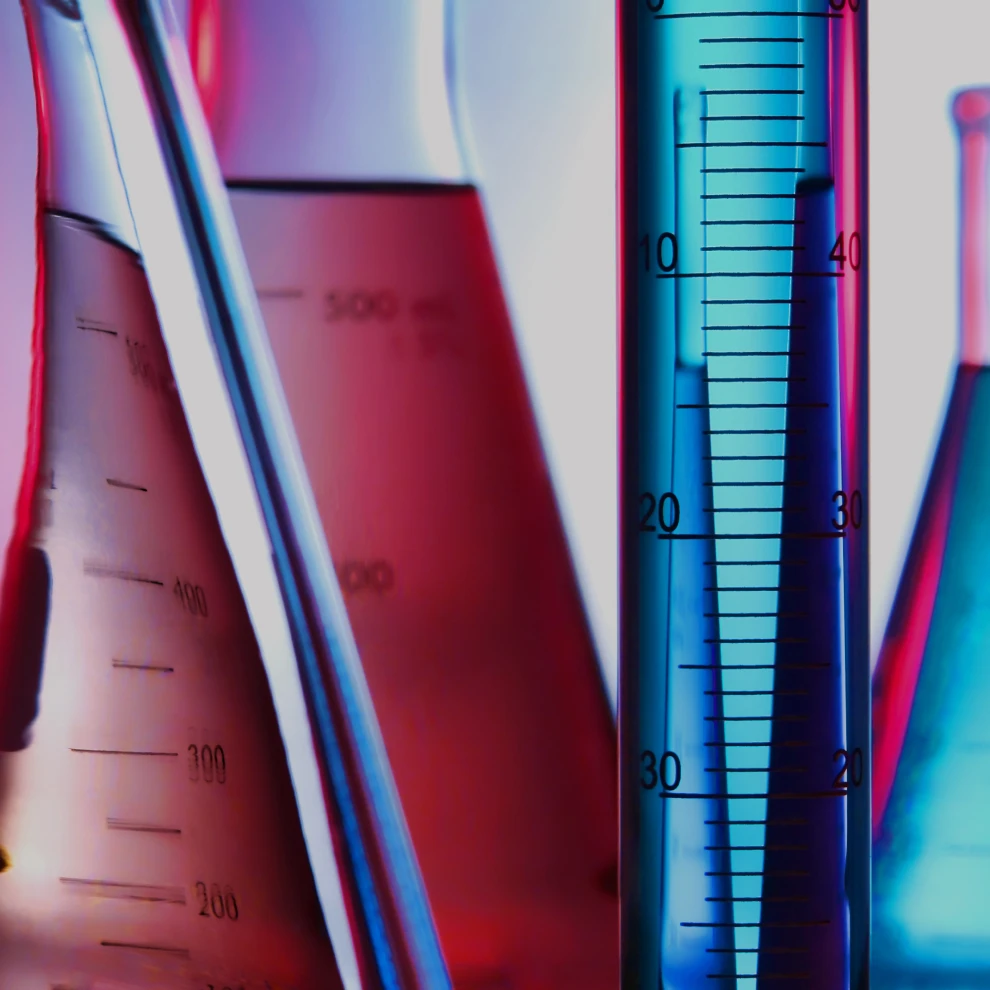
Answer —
148 828
931 735
367 242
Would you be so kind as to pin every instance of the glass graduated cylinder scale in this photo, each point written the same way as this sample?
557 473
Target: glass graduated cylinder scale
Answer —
368 246
148 831
744 664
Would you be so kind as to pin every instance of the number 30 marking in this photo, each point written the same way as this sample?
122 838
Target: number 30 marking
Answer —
666 771
849 509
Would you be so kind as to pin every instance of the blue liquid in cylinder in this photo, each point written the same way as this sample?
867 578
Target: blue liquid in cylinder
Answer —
744 665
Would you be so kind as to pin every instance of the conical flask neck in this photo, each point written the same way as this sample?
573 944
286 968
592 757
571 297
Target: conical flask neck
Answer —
78 172
971 110
336 92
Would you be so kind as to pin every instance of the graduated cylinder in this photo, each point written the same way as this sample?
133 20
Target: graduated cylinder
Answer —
744 663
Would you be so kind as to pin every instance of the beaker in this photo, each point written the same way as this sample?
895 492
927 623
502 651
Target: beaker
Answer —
931 744
148 827
367 242
744 659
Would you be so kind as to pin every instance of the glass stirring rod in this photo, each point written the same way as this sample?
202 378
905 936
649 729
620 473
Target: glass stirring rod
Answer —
397 942
148 827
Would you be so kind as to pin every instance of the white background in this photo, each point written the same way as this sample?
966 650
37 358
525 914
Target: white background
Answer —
539 94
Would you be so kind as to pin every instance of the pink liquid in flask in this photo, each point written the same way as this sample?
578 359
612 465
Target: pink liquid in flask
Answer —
390 331
148 829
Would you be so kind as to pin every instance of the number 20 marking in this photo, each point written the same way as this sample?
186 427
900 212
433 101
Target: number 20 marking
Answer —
667 508
851 763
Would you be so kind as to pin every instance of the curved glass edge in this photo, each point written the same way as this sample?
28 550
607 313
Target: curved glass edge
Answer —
76 146
378 110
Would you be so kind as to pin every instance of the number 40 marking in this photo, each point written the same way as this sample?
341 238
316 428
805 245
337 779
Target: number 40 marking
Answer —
851 251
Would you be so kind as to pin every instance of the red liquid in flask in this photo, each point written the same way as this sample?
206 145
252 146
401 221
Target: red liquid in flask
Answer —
146 813
395 350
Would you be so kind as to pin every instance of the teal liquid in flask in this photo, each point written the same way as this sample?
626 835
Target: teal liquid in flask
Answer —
367 243
149 836
931 688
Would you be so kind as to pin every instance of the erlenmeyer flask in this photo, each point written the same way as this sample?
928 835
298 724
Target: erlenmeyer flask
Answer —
368 246
931 748
147 820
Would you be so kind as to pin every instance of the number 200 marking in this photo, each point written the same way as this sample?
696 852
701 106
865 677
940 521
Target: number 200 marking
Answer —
216 902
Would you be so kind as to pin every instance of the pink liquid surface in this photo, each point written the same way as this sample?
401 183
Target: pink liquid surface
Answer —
397 357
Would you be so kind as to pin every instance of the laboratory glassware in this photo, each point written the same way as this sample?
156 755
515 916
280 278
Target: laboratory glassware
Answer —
393 929
931 744
148 826
367 242
744 665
